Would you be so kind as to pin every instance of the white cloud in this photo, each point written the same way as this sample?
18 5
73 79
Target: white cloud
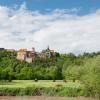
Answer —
62 29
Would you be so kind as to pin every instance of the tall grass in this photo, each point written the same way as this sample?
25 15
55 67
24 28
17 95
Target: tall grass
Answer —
46 91
42 87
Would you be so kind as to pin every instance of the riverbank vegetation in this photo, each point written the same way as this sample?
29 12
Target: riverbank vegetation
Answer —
42 87
83 68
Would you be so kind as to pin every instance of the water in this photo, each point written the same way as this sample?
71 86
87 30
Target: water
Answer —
43 98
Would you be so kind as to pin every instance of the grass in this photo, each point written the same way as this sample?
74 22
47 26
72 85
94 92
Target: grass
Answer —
42 87
40 83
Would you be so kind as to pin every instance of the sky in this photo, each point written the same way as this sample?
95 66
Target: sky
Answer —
65 25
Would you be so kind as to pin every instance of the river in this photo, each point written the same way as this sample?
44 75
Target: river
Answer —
43 98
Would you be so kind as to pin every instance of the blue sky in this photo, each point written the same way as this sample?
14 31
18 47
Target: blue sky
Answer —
64 25
86 6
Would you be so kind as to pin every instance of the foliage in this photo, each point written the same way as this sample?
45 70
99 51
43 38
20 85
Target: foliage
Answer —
91 78
85 68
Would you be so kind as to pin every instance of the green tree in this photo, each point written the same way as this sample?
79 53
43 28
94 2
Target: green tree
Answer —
91 78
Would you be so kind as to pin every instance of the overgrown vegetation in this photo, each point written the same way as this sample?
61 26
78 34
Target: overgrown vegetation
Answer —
42 87
84 68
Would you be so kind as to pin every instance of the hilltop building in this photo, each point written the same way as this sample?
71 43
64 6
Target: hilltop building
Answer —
47 53
29 56
25 55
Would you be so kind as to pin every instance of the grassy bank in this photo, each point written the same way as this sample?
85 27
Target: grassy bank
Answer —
47 88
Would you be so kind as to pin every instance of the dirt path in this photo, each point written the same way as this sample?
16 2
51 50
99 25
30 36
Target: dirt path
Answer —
44 98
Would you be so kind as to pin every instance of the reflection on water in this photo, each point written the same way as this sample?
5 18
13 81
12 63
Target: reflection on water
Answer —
44 98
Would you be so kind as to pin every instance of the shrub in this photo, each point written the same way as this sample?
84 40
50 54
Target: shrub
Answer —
36 80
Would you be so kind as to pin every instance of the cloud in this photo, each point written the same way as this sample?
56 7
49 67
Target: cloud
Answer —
63 29
66 11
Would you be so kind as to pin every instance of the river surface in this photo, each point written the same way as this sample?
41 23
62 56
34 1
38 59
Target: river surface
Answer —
43 98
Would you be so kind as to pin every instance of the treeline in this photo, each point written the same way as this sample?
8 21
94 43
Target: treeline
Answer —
85 68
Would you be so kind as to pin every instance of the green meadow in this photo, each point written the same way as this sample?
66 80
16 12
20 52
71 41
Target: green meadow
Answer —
40 83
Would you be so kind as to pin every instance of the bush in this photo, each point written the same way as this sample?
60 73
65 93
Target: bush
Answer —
36 80
64 80
91 78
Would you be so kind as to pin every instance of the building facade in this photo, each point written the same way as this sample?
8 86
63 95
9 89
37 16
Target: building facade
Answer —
29 56
25 55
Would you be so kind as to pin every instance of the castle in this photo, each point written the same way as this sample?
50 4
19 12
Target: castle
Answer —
29 56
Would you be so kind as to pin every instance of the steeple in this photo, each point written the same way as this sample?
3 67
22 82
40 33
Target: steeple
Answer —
48 48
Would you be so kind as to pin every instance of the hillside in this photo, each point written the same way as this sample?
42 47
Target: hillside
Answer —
84 68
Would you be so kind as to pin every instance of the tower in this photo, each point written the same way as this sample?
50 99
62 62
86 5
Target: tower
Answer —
48 48
33 49
21 54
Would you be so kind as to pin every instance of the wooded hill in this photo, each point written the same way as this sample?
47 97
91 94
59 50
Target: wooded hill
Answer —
85 68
